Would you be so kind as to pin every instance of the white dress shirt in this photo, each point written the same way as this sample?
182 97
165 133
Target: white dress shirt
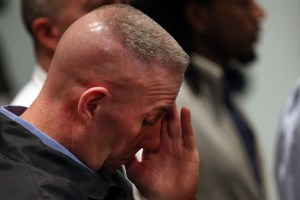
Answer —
31 90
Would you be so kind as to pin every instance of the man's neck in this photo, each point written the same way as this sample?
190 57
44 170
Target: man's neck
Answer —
44 59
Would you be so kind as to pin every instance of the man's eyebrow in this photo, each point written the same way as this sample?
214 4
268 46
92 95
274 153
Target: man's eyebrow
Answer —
164 108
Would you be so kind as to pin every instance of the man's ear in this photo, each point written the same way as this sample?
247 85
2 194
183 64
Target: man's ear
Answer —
196 15
90 100
46 33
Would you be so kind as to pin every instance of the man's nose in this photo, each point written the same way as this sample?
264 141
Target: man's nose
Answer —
258 12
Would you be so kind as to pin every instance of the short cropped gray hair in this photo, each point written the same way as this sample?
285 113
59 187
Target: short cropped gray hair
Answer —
143 36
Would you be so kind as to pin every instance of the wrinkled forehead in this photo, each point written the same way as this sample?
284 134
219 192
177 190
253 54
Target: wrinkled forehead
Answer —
133 73
162 76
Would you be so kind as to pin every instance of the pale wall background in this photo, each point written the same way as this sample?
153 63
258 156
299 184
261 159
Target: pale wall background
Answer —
272 75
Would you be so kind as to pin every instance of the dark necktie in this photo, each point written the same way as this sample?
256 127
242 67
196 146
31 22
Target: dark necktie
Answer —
233 83
240 122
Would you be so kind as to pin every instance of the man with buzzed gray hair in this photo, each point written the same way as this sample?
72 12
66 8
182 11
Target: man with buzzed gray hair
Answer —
46 21
110 91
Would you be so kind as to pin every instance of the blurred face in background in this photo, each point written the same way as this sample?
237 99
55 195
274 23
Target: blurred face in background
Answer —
232 28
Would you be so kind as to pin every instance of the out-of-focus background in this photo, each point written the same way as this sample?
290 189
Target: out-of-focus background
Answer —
272 76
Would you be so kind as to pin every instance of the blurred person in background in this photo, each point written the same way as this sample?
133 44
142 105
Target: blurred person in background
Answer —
287 166
220 37
46 21
5 87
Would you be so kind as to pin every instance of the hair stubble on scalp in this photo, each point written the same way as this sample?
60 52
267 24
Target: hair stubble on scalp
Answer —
139 35
144 37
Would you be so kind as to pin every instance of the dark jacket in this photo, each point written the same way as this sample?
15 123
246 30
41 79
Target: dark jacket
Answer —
30 170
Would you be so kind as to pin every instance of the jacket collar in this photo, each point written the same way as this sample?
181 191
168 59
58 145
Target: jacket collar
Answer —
23 146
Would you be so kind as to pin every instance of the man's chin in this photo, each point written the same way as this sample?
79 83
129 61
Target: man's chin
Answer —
108 167
247 58
106 171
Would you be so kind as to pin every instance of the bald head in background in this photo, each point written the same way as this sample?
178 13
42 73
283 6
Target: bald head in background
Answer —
110 91
46 21
45 18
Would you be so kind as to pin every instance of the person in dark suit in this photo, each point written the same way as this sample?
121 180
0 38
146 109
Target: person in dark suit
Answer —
220 36
110 91
5 85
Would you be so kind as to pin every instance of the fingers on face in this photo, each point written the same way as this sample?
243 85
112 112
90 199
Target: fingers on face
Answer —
173 123
187 129
170 127
179 128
